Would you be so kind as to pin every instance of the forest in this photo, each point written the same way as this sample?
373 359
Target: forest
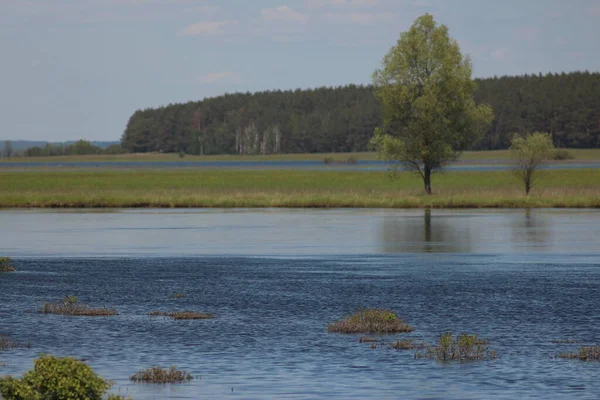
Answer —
342 119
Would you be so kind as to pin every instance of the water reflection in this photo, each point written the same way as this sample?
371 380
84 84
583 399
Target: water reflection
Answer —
531 228
426 234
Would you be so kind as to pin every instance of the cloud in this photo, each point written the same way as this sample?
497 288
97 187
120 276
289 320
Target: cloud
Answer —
500 54
283 13
206 28
361 18
227 77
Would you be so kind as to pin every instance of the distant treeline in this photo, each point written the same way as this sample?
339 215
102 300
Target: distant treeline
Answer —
342 119
80 147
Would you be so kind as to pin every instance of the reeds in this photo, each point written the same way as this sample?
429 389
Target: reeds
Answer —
70 306
6 264
181 315
371 321
464 347
591 353
161 376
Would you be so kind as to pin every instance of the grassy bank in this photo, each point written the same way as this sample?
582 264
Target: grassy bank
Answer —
579 154
273 188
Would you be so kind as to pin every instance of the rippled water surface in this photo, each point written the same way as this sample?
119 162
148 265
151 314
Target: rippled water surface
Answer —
276 278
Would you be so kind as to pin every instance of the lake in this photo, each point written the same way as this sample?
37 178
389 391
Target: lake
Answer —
276 278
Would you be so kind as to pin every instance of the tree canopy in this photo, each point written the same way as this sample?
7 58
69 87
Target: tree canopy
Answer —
426 90
339 119
530 151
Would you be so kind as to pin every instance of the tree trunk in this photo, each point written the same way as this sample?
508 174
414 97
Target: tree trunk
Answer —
427 179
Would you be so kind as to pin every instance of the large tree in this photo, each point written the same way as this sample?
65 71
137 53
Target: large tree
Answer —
426 90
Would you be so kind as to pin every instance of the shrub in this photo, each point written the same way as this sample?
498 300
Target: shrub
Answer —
6 264
55 378
181 315
464 347
159 375
70 306
371 321
591 353
562 154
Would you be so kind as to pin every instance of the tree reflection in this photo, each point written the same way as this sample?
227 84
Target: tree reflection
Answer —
531 228
426 234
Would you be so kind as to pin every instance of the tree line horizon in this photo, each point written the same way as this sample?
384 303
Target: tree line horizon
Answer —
343 119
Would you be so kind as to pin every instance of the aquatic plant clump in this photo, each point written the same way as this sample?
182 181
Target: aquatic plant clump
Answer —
7 344
6 264
181 315
465 347
371 321
159 375
407 345
591 353
70 306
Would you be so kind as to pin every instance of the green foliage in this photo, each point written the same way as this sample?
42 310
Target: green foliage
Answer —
79 148
70 306
6 264
159 375
371 321
342 119
426 90
530 151
465 347
563 154
591 353
55 378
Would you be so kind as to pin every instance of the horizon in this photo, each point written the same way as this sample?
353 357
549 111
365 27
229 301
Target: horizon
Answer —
81 70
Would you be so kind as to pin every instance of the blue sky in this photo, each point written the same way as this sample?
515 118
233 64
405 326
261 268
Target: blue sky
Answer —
75 69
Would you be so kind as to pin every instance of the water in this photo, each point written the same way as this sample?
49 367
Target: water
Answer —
276 278
368 165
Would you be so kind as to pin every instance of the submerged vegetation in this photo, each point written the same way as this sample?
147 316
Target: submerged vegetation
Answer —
293 188
463 347
371 321
7 343
6 264
70 306
159 375
181 315
591 353
56 378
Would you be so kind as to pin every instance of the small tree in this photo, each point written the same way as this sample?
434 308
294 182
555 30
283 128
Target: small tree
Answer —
427 92
530 151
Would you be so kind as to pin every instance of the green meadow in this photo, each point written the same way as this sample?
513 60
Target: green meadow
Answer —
292 188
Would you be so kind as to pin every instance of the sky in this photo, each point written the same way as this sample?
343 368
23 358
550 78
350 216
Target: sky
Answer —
72 69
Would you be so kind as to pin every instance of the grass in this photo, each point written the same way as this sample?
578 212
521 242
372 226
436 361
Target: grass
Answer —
407 345
179 295
579 154
159 375
591 353
70 306
181 315
6 264
371 321
293 188
463 347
